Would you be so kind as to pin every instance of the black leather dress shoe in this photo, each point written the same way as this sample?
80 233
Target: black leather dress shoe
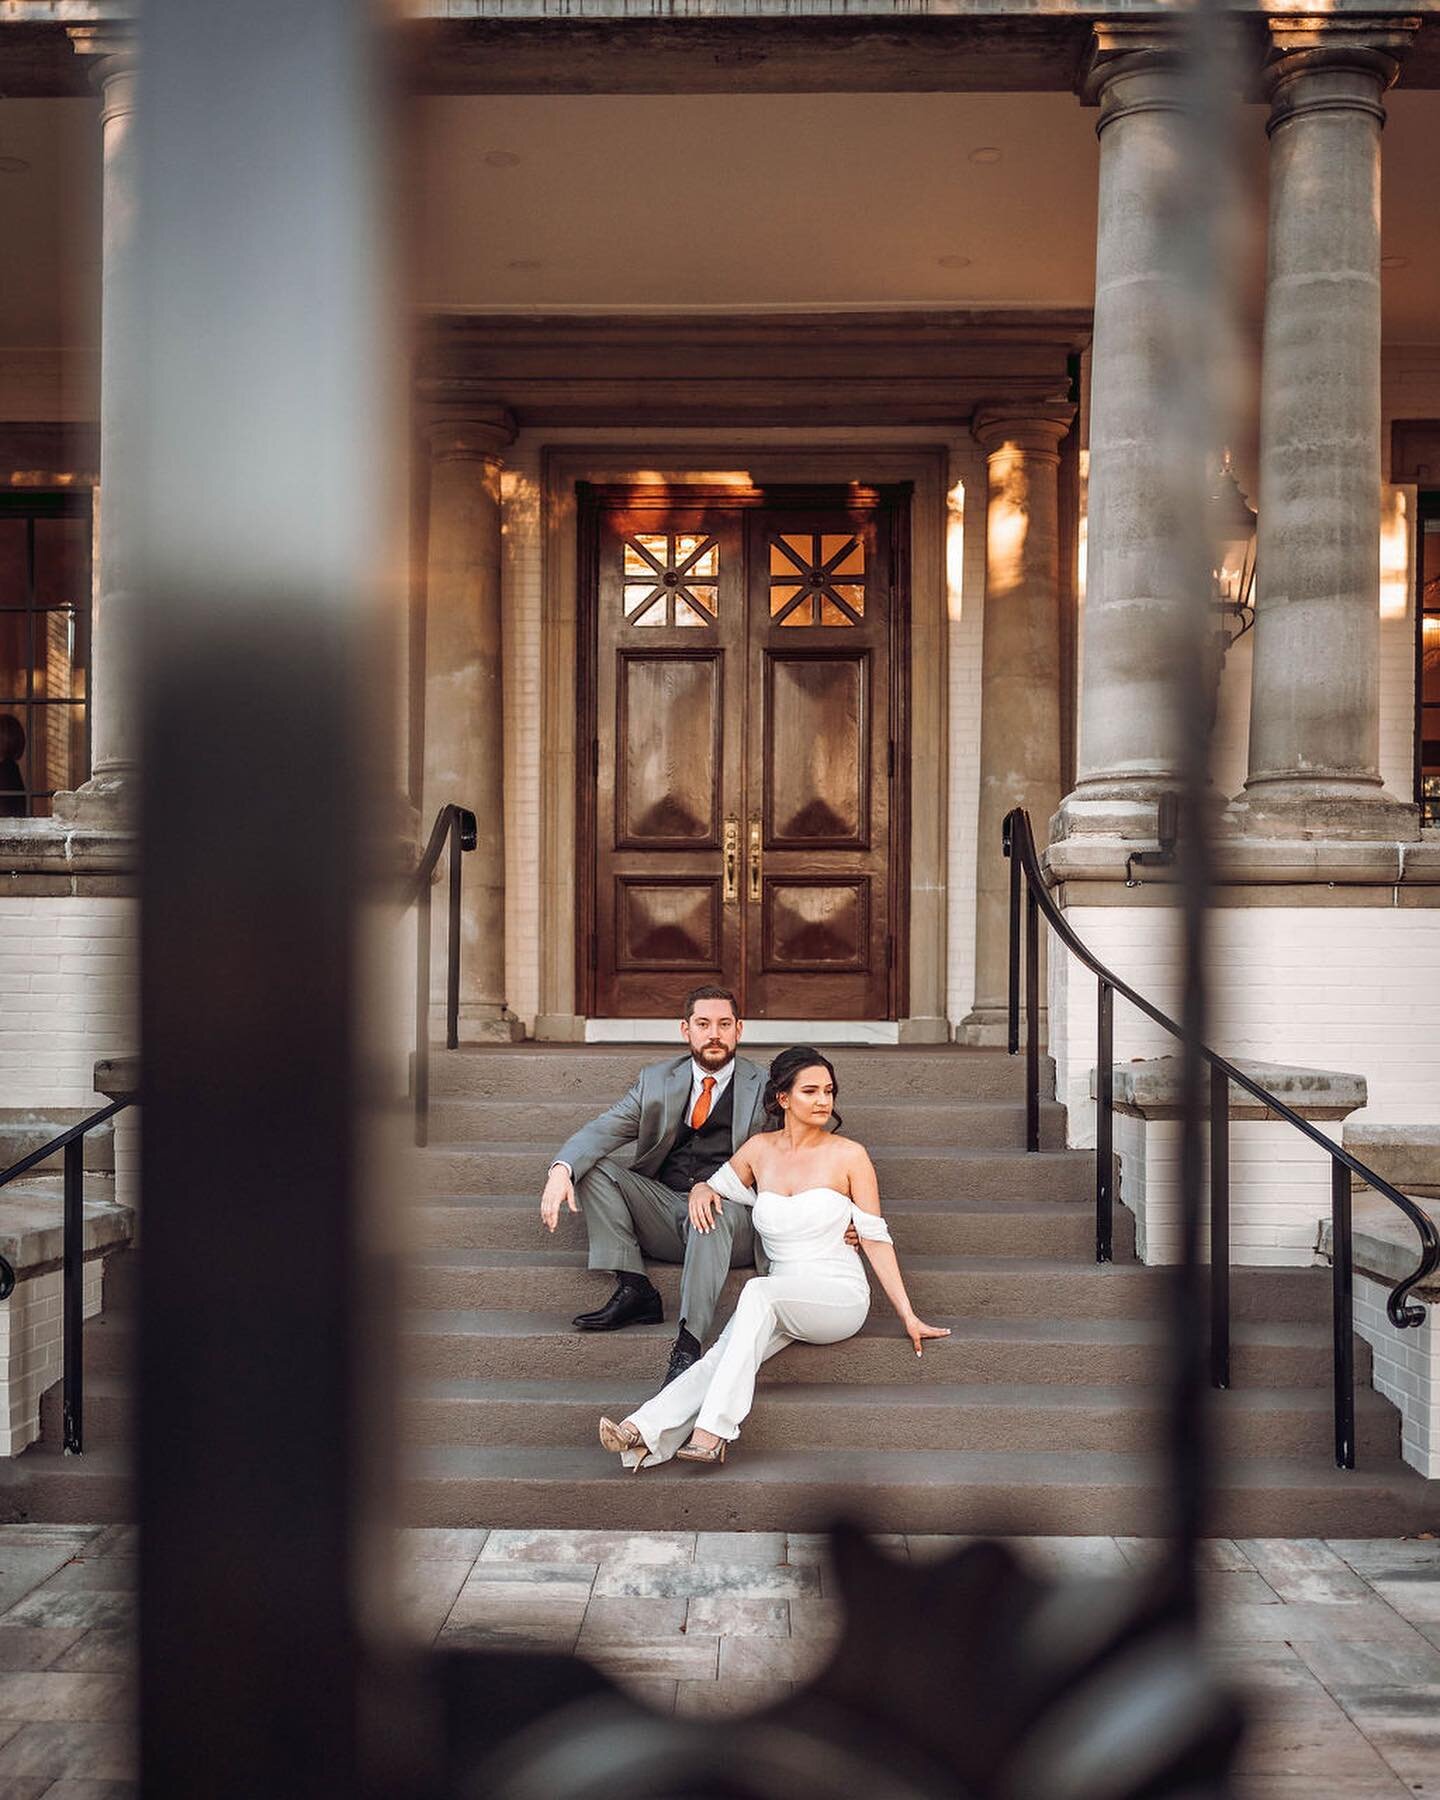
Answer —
684 1356
631 1304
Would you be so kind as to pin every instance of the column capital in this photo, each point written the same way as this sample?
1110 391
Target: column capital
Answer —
1128 47
478 434
110 50
1034 426
1366 47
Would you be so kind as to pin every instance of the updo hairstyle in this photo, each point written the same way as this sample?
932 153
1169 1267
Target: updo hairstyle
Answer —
783 1072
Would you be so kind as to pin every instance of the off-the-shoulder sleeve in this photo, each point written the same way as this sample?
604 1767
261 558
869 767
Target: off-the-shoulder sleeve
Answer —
870 1226
727 1183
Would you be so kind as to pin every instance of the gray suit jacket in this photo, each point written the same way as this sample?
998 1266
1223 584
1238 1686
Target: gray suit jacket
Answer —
646 1121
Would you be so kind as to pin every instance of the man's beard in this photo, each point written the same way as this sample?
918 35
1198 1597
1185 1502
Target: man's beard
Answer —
711 1053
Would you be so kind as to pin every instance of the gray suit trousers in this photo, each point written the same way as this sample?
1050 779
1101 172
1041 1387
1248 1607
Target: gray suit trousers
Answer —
630 1217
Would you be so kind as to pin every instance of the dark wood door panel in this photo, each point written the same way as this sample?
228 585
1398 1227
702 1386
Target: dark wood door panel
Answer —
816 924
669 924
817 750
669 745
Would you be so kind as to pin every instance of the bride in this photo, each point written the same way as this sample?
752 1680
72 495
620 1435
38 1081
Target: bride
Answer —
809 1187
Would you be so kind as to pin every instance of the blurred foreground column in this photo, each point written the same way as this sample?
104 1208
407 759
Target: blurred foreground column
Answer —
263 507
1129 746
1315 694
1020 722
109 797
464 716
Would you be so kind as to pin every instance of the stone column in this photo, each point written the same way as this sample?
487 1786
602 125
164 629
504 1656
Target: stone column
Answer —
1020 709
1128 731
107 798
1314 711
464 720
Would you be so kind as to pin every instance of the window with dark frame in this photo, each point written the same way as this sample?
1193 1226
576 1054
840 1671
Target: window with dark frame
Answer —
44 648
1427 659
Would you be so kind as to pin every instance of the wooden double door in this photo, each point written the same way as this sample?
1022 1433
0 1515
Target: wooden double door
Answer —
742 810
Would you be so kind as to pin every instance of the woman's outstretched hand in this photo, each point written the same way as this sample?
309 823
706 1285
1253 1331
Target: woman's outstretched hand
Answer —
917 1331
704 1204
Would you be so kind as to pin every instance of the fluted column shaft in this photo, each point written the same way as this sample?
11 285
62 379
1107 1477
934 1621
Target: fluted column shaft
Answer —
464 717
1314 716
1020 749
1129 731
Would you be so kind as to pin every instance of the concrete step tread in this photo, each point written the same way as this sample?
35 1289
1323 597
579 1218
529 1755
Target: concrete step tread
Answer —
1005 1268
942 1469
908 1152
960 1204
436 1321
997 1395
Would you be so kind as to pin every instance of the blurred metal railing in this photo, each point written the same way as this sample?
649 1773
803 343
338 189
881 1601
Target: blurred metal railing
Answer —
457 828
1026 873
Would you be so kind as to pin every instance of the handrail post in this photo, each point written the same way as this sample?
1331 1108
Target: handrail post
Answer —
1032 1019
1342 1290
1219 1228
452 974
1105 1126
422 1017
73 1288
1012 850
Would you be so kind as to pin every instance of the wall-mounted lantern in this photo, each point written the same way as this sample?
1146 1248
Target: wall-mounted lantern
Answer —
1232 532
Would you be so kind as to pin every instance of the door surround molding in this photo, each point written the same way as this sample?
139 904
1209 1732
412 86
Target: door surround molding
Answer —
926 467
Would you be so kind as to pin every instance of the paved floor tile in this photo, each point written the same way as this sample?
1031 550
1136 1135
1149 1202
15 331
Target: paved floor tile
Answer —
425 1592
50 1695
1214 1553
1379 1785
573 1580
609 1619
1234 1587
60 1609
1370 1621
740 1546
1305 1569
736 1581
33 1647
655 1695
23 1567
107 1650
509 1634
1315 1738
80 1752
674 1658
1386 1558
816 1621
74 1535
1416 1598
770 1659
539 1609
723 1617
116 1540
728 1699
115 1574
93 1790
1070 1556
1352 1663
590 1546
422 1544
25 1787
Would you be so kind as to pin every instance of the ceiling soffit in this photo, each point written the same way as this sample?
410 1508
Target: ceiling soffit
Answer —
923 368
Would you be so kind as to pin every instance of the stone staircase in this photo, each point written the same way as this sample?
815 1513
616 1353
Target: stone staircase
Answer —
1040 1414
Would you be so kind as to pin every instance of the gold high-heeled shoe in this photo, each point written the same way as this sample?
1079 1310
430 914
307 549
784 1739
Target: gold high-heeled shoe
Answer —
621 1437
695 1453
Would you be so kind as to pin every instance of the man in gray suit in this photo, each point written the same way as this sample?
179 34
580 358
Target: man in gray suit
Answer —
634 1166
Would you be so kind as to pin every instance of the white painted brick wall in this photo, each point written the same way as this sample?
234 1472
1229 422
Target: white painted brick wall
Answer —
68 970
1406 1371
1356 989
31 1350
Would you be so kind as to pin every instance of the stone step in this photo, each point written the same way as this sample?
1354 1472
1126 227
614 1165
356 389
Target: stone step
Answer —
1005 1492
1054 1228
108 1411
557 1281
518 1346
960 1124
598 1074
905 1173
1272 1422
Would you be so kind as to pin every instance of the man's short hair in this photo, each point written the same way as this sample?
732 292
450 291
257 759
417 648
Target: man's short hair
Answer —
709 993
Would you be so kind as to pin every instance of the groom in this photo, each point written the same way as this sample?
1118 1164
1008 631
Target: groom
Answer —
679 1122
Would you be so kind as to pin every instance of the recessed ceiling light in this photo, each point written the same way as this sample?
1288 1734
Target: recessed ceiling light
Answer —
525 262
987 153
954 262
1394 262
501 159
13 165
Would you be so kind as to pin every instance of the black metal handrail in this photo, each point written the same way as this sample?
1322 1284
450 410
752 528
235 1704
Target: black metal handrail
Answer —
457 827
72 1260
1025 871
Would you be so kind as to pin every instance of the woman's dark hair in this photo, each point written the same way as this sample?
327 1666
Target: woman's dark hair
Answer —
783 1071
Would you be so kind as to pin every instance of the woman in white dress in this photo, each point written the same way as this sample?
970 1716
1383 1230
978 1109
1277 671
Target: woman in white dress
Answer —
814 1196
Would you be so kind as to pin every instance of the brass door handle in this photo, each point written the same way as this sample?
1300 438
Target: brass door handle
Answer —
732 861
756 854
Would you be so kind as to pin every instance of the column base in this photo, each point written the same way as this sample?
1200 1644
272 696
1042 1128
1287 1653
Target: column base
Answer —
988 1028
1121 808
109 800
489 1025
1352 811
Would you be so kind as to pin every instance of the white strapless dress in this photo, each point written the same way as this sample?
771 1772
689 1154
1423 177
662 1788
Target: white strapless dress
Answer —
816 1292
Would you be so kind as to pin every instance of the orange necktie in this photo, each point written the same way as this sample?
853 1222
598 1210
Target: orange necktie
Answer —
702 1105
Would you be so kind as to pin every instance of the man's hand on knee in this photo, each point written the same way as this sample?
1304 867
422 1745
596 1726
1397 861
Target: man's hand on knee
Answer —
706 1207
559 1191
